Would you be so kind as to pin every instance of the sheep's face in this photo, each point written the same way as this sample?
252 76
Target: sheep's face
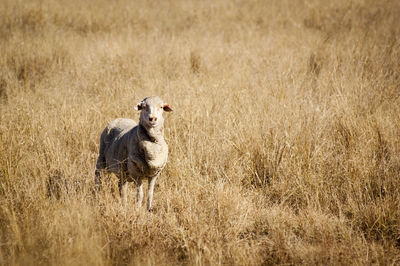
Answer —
152 109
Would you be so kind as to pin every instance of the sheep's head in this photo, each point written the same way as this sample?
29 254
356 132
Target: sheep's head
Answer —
152 109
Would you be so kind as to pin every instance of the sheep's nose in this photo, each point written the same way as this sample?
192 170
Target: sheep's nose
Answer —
153 119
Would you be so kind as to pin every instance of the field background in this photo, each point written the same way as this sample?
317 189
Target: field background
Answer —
284 140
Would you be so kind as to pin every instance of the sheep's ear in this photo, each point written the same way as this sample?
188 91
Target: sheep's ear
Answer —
139 106
167 108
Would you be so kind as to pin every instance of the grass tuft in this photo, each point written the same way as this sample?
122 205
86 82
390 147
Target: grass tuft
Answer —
284 140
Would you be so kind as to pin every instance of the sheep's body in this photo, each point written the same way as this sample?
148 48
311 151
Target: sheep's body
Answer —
126 149
133 152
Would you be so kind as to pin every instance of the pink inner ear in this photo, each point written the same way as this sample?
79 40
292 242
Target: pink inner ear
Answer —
167 108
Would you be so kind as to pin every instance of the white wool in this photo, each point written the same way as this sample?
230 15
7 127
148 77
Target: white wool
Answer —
135 151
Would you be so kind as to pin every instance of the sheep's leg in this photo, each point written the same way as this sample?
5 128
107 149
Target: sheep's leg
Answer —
139 193
123 185
151 189
100 165
97 180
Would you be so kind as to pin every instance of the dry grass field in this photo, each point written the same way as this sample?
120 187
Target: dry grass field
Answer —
284 140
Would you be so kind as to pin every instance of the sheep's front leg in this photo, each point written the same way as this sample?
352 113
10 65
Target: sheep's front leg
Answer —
151 189
139 192
123 186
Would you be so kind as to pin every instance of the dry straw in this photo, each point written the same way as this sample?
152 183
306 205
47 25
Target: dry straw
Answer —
284 143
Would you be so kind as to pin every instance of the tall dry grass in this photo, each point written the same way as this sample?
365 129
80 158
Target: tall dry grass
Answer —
284 142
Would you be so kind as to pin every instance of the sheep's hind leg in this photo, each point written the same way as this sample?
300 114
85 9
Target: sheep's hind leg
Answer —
100 165
123 186
152 182
97 180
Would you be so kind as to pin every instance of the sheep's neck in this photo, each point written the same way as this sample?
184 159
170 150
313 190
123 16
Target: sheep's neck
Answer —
154 134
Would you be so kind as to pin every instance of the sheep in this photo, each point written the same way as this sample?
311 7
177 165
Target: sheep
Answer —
135 151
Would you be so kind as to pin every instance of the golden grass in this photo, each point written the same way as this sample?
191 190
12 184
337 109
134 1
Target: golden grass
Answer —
284 142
